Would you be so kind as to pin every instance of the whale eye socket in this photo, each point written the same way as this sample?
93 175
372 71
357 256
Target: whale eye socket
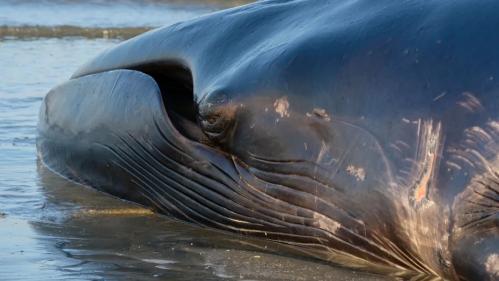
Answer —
215 124
216 116
211 120
176 85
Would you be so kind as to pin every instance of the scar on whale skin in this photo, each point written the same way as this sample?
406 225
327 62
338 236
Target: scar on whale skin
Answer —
492 265
281 106
358 173
427 158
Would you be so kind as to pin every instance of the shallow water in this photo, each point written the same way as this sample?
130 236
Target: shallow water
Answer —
52 229
96 13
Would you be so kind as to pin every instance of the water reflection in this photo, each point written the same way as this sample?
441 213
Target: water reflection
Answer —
102 237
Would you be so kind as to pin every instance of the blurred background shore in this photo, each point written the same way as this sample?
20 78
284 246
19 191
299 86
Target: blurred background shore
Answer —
98 18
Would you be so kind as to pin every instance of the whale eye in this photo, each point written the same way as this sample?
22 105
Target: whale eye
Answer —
216 116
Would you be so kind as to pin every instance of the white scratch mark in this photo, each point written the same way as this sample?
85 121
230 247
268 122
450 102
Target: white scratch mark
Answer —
471 103
440 96
403 144
326 223
395 147
494 125
482 159
480 133
453 165
322 152
427 155
462 158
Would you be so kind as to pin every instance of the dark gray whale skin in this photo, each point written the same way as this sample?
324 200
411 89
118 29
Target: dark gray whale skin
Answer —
364 133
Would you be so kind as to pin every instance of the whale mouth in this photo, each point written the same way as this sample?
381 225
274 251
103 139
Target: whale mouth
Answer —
176 85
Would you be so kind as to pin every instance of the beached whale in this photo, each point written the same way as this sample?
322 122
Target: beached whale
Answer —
365 133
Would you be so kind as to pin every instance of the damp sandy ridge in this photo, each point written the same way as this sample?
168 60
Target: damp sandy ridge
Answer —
33 32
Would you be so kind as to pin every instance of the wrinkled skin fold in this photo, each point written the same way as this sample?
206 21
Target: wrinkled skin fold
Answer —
364 133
